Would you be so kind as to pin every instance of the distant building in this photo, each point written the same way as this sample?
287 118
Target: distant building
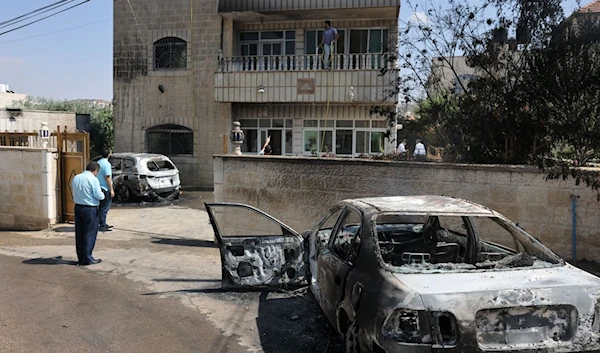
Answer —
18 120
8 97
184 71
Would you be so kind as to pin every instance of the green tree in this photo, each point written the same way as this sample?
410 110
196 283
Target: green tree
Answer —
101 119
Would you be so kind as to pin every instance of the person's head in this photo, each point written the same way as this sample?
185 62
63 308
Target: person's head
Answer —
93 168
327 24
418 140
105 153
404 141
268 150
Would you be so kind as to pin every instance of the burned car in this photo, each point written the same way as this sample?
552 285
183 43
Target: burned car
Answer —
143 175
418 274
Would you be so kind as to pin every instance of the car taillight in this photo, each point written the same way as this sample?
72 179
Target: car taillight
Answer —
404 326
415 326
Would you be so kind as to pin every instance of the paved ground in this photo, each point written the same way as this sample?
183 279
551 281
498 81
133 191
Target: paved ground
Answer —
157 289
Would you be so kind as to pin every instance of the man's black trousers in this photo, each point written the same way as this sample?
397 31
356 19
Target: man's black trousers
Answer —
86 231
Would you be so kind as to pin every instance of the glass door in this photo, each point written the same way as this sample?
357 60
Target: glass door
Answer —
272 52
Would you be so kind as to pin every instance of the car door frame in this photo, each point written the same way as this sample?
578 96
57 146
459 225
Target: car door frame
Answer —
296 261
328 260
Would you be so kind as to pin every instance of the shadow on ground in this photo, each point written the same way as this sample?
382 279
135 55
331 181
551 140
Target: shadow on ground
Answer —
185 242
292 323
65 229
58 260
288 322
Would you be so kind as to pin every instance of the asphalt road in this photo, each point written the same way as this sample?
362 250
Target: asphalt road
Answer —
53 307
156 290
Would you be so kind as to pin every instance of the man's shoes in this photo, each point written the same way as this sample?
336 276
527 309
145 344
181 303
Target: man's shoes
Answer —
105 229
93 262
107 226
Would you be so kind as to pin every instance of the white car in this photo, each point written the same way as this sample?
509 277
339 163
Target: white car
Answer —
144 175
418 274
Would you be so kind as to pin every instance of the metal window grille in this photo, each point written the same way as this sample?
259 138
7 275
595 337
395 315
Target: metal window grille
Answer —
170 140
170 54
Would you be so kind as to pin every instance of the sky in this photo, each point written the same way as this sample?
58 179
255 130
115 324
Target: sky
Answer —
68 65
75 62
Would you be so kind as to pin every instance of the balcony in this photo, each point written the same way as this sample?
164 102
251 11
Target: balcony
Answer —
353 78
278 10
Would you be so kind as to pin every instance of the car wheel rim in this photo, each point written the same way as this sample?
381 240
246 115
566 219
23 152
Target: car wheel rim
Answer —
123 194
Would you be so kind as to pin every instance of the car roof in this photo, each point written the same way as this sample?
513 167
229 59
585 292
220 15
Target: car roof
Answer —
424 204
138 155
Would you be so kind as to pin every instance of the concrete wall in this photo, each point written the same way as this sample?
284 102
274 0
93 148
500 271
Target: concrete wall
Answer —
188 98
299 190
30 120
27 188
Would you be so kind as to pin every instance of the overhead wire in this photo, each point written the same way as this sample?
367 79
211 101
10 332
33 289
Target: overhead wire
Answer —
21 18
34 11
43 18
62 30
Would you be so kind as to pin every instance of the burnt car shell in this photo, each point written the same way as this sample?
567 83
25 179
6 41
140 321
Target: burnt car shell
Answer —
144 175
487 298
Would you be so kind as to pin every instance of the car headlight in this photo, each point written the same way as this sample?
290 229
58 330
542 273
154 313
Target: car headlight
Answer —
421 327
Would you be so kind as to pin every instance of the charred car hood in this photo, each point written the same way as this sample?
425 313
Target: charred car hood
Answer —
516 287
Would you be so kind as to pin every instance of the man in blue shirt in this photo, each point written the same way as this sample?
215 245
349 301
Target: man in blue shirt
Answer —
105 179
330 34
87 195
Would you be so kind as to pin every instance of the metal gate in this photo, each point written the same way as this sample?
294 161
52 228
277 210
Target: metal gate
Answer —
73 157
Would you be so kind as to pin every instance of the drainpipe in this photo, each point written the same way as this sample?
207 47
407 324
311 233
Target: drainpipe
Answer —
574 227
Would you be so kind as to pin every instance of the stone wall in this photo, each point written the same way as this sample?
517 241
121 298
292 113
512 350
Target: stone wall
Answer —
27 188
299 190
30 120
187 96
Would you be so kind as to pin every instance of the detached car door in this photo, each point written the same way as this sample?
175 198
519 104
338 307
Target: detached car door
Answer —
257 250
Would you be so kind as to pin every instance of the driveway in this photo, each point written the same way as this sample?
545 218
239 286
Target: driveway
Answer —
157 257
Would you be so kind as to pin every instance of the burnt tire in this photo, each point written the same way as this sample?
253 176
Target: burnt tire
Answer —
351 339
122 194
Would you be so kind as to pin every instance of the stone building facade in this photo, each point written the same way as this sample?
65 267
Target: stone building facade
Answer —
184 70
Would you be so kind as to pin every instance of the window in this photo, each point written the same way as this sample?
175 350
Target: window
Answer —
159 165
170 140
170 54
256 132
351 41
347 239
344 137
491 231
269 44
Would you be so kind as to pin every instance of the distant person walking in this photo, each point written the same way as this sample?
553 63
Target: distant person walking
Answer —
330 35
402 149
87 195
105 179
420 153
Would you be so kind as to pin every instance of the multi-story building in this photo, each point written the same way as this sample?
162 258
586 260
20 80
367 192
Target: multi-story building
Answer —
184 70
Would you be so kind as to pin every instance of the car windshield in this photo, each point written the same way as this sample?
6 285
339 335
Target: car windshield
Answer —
157 165
426 243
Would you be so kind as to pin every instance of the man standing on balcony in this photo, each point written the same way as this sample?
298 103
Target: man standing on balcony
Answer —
330 34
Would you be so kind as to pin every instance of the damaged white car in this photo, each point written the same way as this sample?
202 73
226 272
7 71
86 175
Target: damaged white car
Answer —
144 175
418 274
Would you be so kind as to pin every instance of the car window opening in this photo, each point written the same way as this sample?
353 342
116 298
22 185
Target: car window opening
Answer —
159 165
445 242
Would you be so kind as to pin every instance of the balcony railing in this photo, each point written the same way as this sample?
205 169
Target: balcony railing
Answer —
305 62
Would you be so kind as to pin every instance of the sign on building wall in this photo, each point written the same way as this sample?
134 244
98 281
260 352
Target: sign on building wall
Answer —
305 86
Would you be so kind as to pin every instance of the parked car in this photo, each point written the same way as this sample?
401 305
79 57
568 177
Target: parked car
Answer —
143 175
418 274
